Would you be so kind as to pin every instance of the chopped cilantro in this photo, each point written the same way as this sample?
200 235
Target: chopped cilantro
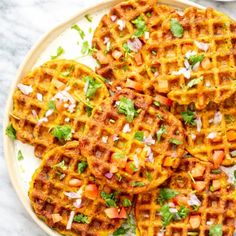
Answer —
166 215
229 119
182 213
160 132
121 231
139 135
137 184
86 49
149 176
62 132
195 207
166 194
80 31
82 166
20 156
175 141
88 17
89 110
81 218
140 24
194 82
194 59
92 86
118 155
188 117
126 202
149 14
11 132
126 106
60 51
127 228
61 165
133 167
126 48
110 199
176 28
156 103
217 171
51 105
216 230
159 116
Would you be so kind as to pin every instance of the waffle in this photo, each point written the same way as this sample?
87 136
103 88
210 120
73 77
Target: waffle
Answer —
56 188
158 63
215 130
57 99
130 150
214 206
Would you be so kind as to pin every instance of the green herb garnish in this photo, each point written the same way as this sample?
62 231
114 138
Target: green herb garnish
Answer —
60 51
126 49
121 231
20 156
61 165
82 166
11 132
175 141
194 82
140 24
89 110
126 106
80 31
137 184
92 86
133 167
194 59
149 176
62 132
110 199
165 195
88 17
81 218
229 119
216 230
156 103
217 171
86 49
182 213
51 105
160 132
139 135
176 28
188 117
166 215
126 202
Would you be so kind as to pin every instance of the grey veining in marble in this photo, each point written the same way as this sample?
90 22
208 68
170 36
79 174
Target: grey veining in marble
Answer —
22 23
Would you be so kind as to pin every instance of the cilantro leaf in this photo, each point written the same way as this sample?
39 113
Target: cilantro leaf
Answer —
149 176
11 132
80 31
89 110
133 167
82 166
160 132
81 218
88 17
137 184
175 141
61 165
92 86
216 230
126 202
86 49
166 215
194 59
176 28
51 105
110 199
229 119
121 231
140 24
60 51
62 132
194 82
166 194
126 106
20 156
182 213
139 135
126 48
188 117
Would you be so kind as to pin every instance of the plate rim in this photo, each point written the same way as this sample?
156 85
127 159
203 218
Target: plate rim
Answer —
26 65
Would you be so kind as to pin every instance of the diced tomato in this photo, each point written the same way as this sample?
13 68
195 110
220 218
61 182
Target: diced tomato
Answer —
163 100
231 135
198 170
218 157
180 200
163 85
59 105
128 167
56 218
138 59
206 64
103 59
91 191
113 213
195 221
116 54
119 160
199 185
216 184
133 85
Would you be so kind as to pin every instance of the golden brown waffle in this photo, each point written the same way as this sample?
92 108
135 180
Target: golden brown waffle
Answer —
57 98
57 186
212 131
130 149
158 64
215 203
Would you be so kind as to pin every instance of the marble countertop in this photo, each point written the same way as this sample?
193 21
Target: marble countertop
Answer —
22 24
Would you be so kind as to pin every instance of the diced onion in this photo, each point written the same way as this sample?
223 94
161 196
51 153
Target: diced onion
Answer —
25 89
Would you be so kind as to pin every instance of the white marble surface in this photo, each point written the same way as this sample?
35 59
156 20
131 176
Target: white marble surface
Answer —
22 23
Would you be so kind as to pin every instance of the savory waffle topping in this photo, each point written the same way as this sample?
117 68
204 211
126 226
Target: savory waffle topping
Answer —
190 56
196 200
132 143
211 133
53 102
67 197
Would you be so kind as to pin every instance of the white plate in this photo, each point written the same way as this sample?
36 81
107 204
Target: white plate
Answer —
21 171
